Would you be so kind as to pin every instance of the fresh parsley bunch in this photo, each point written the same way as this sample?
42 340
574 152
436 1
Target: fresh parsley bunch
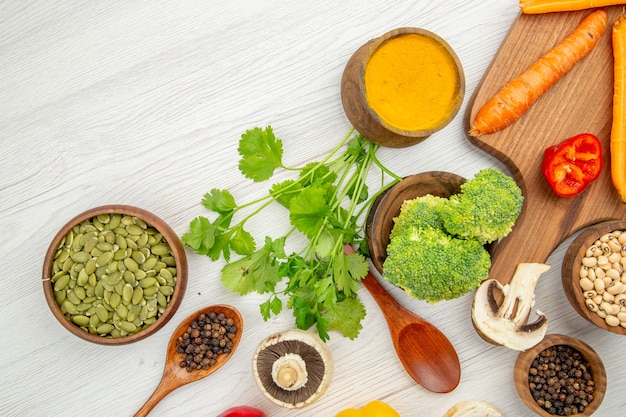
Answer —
325 204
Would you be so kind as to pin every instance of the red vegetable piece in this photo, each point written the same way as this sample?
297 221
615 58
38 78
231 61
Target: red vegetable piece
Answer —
573 164
243 411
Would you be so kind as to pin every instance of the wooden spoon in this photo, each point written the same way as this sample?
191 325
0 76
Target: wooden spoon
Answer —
173 375
425 352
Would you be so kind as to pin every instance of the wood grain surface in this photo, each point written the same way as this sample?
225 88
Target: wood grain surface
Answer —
580 102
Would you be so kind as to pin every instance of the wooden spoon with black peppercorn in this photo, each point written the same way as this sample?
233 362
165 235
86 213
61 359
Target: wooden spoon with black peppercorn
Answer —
177 374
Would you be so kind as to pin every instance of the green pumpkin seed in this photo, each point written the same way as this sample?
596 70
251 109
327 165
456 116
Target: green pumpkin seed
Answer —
161 299
105 328
120 242
131 264
169 260
115 300
104 259
80 320
150 291
137 295
80 256
120 254
122 311
149 263
90 244
62 282
142 241
90 266
80 292
60 296
133 312
76 244
127 293
148 282
128 327
160 249
83 278
94 321
138 257
102 313
166 290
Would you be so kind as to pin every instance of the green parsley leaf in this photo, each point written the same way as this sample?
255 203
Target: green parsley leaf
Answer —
261 154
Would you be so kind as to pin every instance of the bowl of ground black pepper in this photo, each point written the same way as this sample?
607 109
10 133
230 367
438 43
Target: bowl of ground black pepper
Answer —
560 376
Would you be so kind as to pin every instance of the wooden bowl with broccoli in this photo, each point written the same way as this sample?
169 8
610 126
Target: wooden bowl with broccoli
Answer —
437 227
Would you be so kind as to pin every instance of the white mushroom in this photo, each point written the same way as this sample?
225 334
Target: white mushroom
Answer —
506 324
293 368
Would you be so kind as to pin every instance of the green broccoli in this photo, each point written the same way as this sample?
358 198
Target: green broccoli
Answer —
419 212
486 208
431 265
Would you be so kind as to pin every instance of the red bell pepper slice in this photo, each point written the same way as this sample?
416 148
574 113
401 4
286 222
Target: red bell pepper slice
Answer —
573 164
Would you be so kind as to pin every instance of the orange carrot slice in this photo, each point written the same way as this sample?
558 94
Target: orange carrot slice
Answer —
515 98
549 6
618 128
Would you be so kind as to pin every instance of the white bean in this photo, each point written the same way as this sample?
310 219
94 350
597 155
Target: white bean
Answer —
586 284
612 321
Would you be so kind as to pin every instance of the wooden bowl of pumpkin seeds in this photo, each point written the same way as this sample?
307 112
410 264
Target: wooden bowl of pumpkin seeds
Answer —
114 274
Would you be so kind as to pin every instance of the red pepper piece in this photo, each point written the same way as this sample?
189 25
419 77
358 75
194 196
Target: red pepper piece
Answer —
573 164
243 411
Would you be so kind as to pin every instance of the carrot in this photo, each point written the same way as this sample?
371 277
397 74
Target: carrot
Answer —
515 98
549 6
618 128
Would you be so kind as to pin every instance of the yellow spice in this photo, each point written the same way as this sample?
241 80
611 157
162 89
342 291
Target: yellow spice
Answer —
411 82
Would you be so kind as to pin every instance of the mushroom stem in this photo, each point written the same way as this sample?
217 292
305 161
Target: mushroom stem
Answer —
289 372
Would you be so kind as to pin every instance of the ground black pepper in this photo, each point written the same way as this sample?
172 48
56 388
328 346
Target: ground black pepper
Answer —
206 338
560 380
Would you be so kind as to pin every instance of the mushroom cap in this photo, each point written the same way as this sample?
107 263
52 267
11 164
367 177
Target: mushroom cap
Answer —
473 408
293 347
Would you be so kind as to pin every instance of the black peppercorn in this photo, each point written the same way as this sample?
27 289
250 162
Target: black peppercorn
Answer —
205 338
560 382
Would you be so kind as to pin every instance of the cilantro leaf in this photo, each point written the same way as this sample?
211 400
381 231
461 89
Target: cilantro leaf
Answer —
273 305
261 154
308 210
256 272
284 191
345 316
201 235
348 270
242 242
219 201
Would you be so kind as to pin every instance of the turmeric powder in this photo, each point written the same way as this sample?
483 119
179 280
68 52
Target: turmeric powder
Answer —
412 82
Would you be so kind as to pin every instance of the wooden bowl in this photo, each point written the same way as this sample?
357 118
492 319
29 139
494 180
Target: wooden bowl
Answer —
387 206
570 277
176 250
524 362
366 120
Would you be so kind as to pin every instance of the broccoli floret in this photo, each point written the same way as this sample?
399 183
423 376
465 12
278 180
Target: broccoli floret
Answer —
422 211
431 265
486 208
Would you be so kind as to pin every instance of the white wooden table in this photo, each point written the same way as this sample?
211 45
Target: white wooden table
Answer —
142 103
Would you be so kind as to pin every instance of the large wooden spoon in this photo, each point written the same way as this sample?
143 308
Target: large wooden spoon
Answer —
173 375
424 351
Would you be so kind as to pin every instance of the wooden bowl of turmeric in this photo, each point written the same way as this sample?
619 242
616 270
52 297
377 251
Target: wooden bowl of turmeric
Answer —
400 88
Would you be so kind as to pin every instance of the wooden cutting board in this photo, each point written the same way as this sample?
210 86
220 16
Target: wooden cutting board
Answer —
580 102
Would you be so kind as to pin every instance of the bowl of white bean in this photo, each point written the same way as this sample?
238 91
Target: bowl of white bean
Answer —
594 275
114 274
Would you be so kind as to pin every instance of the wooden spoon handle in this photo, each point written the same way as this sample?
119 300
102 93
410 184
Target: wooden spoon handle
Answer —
392 311
166 386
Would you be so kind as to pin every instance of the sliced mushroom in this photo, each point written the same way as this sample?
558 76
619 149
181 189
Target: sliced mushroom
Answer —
506 323
293 368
